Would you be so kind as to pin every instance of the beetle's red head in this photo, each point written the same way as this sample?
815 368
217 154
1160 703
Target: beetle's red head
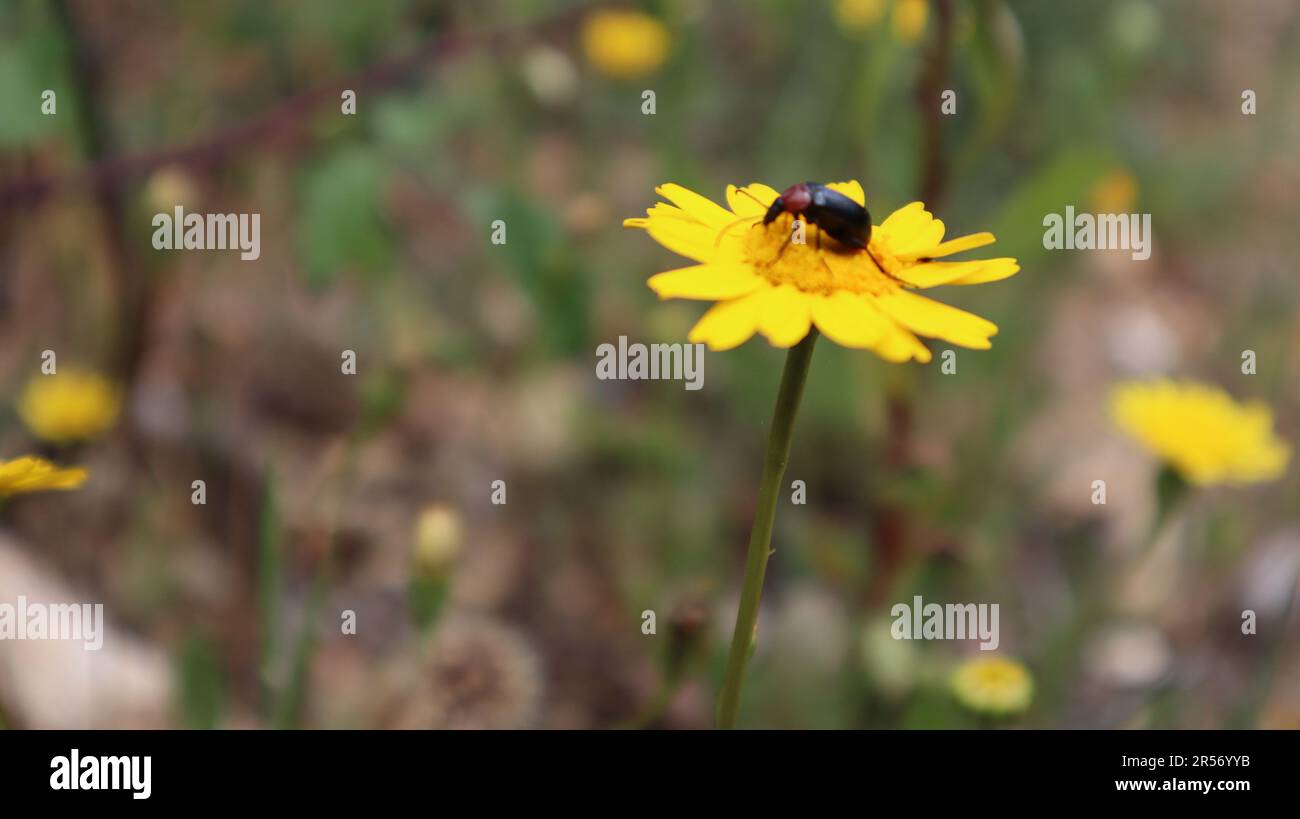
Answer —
796 198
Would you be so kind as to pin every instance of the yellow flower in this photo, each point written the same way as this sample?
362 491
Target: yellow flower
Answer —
855 15
1114 192
995 685
909 19
763 282
624 44
32 474
69 406
169 187
437 540
1206 436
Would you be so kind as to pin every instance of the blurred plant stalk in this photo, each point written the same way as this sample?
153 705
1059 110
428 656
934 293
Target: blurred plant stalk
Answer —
891 529
131 289
743 639
437 551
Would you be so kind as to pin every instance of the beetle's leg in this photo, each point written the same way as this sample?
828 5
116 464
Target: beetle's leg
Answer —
755 198
885 272
721 234
784 245
826 265
781 252
820 256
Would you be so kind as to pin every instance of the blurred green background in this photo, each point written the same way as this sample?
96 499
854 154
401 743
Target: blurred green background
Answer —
373 493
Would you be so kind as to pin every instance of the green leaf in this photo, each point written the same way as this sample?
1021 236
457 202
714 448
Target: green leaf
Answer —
542 260
342 227
202 690
20 100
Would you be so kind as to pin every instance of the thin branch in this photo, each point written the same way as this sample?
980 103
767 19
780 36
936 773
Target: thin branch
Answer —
97 140
933 81
275 125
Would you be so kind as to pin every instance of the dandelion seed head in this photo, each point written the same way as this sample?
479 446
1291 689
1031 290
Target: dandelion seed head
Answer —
475 673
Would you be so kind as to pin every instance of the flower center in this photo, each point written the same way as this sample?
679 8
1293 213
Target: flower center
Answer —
819 264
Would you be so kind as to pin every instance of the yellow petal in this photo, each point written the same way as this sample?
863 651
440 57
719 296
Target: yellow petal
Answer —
697 206
931 318
665 212
786 315
750 204
706 281
729 324
899 345
690 239
910 229
852 189
32 474
933 274
748 201
849 320
991 271
53 479
18 466
951 246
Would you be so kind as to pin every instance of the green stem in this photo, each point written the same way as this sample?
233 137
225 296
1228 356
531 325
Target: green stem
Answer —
760 536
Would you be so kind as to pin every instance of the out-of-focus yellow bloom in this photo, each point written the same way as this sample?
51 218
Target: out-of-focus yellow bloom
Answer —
32 474
437 541
169 187
1206 436
624 44
856 15
909 19
1114 192
764 282
71 405
996 686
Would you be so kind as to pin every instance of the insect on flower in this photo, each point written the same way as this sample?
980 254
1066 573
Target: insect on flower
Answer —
835 214
843 219
857 288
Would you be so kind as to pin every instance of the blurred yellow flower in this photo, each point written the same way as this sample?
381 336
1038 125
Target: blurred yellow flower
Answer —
169 187
1115 192
437 540
765 283
71 405
624 44
32 474
855 15
996 686
1206 436
909 18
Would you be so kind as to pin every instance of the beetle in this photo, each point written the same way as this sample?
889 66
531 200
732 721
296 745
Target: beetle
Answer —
834 213
839 216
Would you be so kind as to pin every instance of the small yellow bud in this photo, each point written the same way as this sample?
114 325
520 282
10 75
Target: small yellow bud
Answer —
437 541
